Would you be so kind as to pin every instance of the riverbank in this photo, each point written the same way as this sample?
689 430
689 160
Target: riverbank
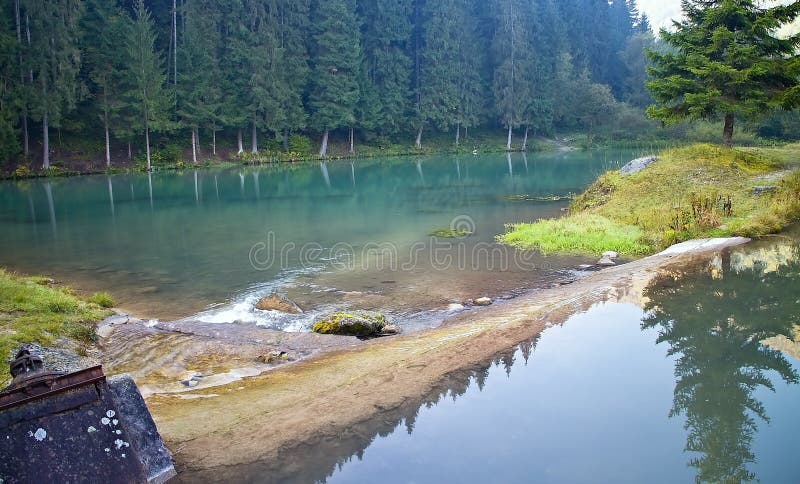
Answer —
279 412
38 310
691 192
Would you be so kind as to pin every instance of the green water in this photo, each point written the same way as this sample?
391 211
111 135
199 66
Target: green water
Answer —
173 244
687 387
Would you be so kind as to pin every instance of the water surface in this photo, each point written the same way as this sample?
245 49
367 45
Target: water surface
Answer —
346 233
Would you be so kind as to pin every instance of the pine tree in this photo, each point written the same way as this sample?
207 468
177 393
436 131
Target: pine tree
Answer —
145 88
54 60
726 61
386 34
103 40
293 70
336 60
9 80
512 85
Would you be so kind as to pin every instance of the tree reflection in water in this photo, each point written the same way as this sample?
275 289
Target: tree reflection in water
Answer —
715 322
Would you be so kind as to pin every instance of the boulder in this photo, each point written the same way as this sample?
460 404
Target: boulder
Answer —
606 261
638 164
278 302
483 301
273 357
611 254
391 329
354 323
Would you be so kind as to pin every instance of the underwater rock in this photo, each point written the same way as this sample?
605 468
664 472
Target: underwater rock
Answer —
278 302
450 233
483 301
273 357
353 323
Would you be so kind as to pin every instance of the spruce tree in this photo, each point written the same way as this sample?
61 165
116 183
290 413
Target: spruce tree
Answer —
726 60
145 87
54 61
336 61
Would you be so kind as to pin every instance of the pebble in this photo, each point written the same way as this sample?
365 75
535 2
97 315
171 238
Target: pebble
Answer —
483 301
605 261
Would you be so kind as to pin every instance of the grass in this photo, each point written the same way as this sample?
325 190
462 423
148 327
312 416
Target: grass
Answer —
32 311
691 192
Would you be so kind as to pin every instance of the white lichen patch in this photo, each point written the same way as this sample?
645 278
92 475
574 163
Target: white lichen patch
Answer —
107 449
91 429
114 422
123 456
118 432
110 413
39 435
105 421
119 443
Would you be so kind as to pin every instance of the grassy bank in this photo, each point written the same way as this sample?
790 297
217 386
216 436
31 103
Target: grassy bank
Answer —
32 310
691 192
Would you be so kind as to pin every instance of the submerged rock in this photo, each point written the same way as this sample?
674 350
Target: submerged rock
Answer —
638 164
278 302
450 233
274 357
483 301
354 323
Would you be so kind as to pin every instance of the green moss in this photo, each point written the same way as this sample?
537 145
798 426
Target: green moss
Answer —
450 233
356 323
690 192
34 313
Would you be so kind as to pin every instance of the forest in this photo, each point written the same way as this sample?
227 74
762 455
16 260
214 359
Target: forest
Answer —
121 71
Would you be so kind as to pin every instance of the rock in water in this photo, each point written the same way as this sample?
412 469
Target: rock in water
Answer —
278 302
638 164
354 323
483 301
605 261
391 329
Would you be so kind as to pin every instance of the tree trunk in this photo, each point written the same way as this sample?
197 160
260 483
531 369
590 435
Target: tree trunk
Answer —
254 138
352 136
525 141
727 131
194 147
175 43
239 141
45 143
130 153
147 143
285 140
105 126
214 141
508 144
108 144
458 134
323 150
24 113
418 143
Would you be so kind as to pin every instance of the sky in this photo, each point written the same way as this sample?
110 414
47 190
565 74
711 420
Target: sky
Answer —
660 12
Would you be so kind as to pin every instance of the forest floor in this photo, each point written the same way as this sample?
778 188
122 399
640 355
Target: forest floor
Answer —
690 192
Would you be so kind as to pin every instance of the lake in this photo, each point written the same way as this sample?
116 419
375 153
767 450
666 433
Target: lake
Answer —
686 384
208 243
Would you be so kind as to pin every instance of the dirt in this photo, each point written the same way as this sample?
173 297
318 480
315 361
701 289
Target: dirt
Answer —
251 424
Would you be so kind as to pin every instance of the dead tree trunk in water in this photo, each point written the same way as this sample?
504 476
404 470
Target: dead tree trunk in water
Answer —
508 144
194 147
352 136
525 140
239 141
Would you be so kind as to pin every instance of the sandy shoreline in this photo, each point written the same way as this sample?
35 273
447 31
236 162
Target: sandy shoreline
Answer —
247 425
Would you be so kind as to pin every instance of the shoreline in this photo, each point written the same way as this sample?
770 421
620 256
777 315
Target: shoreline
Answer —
321 396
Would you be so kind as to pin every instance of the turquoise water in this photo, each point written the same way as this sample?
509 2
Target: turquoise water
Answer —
680 387
173 244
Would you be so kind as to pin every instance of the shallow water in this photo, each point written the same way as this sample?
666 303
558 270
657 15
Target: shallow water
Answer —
169 245
678 388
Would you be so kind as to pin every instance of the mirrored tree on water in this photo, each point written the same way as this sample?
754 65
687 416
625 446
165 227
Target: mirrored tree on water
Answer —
715 322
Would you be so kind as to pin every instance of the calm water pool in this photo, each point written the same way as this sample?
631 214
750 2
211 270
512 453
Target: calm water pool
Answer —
678 388
173 244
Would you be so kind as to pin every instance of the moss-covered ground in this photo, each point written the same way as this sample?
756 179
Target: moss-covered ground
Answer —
32 310
691 192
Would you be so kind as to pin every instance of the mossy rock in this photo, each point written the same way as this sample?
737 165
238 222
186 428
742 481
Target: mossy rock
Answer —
354 323
451 233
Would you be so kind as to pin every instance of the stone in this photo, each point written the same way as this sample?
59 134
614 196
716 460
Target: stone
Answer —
391 329
757 191
278 302
483 301
584 267
273 356
455 307
354 323
605 261
638 164
611 254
